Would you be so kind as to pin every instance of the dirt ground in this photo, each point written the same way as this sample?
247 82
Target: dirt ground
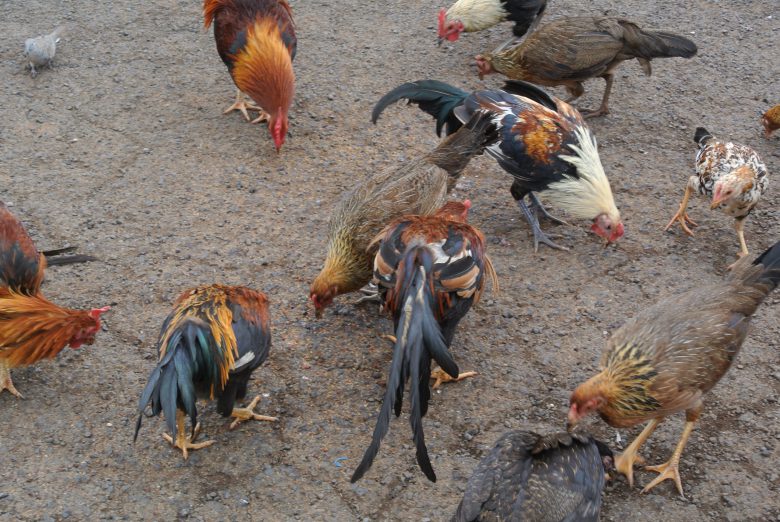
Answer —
122 148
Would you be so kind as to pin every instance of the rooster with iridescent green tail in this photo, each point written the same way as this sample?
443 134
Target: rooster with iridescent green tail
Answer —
209 345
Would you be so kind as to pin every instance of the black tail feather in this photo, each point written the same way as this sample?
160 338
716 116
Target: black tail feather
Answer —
434 97
418 340
701 135
770 260
58 251
659 44
68 260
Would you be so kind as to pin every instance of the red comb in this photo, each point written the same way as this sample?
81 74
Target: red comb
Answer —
467 203
95 312
442 20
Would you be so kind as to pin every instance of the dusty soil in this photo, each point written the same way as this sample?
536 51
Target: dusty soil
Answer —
122 148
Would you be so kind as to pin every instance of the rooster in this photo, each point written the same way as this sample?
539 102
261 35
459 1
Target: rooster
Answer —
732 174
571 50
32 328
771 120
475 15
528 476
256 40
545 145
666 358
429 270
209 345
419 186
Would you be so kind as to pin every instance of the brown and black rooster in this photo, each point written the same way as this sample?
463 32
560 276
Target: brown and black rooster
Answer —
571 50
666 358
419 186
209 345
544 144
430 270
256 40
527 476
32 328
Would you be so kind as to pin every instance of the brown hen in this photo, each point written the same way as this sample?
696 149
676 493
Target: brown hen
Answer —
571 50
666 358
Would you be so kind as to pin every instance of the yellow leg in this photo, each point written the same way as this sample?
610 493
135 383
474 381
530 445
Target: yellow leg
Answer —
241 105
624 463
244 414
669 470
682 214
5 379
441 377
182 441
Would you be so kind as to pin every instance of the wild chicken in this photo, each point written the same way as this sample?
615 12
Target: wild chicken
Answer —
732 174
475 15
417 187
666 358
429 270
544 144
32 328
256 41
527 476
571 50
771 120
209 345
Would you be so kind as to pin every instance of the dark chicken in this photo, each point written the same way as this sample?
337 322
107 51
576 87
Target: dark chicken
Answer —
732 174
209 345
571 50
32 328
419 187
527 476
475 15
429 270
544 144
666 358
256 41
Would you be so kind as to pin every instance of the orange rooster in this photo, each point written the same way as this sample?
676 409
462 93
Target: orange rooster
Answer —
256 40
31 327
771 120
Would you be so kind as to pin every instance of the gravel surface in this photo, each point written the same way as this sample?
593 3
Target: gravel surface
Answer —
122 148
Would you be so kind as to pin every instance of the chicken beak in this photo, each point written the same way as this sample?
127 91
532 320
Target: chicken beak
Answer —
440 41
716 202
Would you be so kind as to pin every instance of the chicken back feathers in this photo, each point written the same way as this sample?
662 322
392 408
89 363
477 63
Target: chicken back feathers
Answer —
429 271
527 476
21 266
417 187
667 357
771 120
209 345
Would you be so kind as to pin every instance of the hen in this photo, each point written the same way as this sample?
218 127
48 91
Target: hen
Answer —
732 174
571 50
209 345
429 270
475 15
666 358
32 328
544 144
527 476
256 41
771 120
419 186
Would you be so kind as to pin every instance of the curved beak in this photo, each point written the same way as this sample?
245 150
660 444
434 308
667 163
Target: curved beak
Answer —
440 41
716 201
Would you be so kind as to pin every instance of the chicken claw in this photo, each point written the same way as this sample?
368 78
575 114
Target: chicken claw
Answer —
184 442
667 470
5 381
624 463
685 220
242 105
441 377
262 117
244 414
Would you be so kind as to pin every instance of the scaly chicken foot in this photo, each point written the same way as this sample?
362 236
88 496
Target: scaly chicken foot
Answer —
242 105
682 214
184 442
245 414
603 110
624 463
537 208
539 235
441 377
670 470
369 293
739 226
5 380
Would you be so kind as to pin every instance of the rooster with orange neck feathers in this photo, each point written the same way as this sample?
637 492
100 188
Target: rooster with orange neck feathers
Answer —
256 40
